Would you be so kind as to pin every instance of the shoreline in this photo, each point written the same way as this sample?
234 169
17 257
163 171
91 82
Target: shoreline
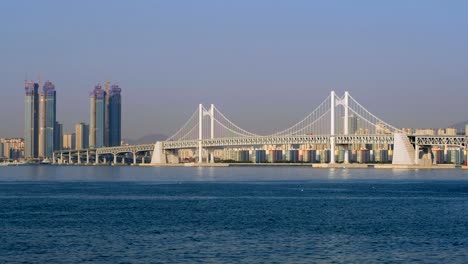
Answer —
305 165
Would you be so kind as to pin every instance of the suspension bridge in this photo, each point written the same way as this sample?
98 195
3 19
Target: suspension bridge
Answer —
337 123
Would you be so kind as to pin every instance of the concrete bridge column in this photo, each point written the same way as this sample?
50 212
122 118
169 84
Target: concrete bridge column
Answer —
69 158
445 153
105 159
61 157
96 161
346 154
123 159
79 157
134 158
200 133
416 154
332 127
115 158
212 160
143 158
53 157
87 156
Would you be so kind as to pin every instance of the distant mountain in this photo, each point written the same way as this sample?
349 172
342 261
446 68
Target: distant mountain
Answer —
460 126
148 139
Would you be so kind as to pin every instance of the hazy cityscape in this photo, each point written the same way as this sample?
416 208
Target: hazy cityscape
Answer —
43 135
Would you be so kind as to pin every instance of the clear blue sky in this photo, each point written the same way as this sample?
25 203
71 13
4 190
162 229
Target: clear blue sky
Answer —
266 64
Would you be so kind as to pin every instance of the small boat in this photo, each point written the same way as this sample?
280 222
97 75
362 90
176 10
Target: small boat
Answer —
45 161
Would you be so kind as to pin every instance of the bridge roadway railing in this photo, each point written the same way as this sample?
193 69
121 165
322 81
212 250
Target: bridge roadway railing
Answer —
278 140
458 141
125 149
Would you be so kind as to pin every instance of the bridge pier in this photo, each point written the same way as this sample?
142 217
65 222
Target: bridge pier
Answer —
96 161
159 155
346 154
332 127
115 158
211 156
134 158
416 154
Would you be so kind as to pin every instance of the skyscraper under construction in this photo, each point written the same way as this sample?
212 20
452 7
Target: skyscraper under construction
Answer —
97 119
105 116
31 119
47 120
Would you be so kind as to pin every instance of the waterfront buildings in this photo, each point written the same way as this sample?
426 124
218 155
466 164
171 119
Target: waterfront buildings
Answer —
447 131
47 120
31 119
11 149
69 141
425 132
81 136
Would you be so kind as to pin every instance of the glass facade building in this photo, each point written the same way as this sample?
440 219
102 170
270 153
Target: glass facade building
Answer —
81 136
58 133
115 112
97 117
31 120
47 120
105 117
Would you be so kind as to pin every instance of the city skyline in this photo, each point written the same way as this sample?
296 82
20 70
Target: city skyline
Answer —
406 61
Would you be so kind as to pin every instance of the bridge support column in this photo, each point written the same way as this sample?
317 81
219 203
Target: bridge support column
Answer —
78 159
134 158
87 156
332 127
115 158
346 126
69 158
211 154
96 161
61 157
346 154
200 133
416 154
159 155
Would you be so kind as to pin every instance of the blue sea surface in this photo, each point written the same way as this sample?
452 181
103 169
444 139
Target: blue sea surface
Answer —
79 214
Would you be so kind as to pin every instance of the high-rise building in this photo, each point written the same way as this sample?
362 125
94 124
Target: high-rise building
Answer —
69 141
97 117
31 119
114 116
58 134
105 116
81 136
352 124
12 148
47 119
